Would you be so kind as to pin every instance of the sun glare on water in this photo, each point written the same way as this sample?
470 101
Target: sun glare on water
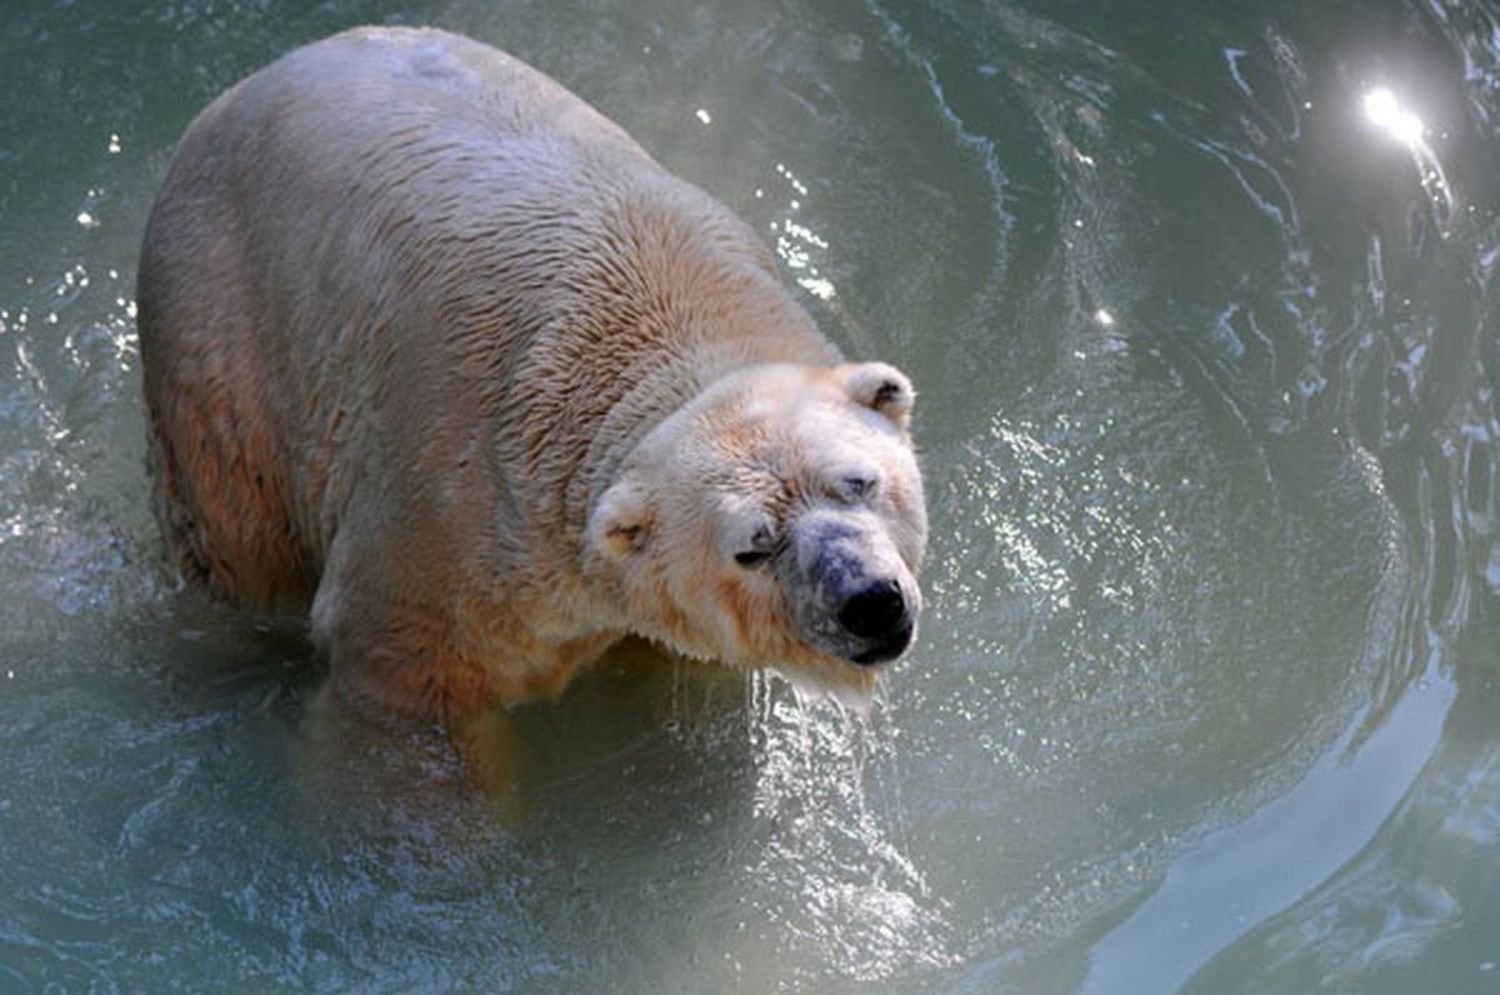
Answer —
1386 112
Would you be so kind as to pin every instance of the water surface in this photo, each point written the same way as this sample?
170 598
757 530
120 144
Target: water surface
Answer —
1207 347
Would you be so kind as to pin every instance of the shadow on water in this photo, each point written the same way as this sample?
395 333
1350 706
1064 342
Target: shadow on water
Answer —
1208 362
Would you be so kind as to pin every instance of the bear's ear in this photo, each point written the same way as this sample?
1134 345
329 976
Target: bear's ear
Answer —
879 386
621 522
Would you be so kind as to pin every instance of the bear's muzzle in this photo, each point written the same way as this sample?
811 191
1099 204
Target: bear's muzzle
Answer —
853 597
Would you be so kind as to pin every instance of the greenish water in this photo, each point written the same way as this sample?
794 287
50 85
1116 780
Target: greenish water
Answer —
1208 345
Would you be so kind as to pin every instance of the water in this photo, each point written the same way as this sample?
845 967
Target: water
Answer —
1206 698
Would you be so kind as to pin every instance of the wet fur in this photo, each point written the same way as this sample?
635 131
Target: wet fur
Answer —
406 306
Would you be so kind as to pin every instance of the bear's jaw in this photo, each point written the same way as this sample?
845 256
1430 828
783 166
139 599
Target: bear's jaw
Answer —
827 678
814 675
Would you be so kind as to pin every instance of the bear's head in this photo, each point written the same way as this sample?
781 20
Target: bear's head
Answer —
776 520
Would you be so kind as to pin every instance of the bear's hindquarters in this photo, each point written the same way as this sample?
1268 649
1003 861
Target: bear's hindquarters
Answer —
219 464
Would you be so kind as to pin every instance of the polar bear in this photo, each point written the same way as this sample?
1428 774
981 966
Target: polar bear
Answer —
434 351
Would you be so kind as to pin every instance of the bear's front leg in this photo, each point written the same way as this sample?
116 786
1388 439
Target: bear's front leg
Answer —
352 765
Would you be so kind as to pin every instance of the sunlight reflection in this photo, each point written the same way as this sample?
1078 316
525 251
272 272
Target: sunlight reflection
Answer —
796 243
1385 111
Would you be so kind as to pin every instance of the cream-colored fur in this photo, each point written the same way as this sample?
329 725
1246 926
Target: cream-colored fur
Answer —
436 351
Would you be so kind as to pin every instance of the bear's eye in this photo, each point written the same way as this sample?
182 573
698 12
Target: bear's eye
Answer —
858 487
751 558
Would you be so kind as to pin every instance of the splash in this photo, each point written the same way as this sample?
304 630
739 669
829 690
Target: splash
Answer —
826 793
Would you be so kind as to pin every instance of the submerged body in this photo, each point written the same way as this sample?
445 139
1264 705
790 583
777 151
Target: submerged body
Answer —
437 352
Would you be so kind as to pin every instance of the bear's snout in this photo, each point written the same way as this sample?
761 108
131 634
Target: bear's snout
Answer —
853 597
878 615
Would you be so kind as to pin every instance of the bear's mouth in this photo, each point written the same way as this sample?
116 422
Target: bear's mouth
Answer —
886 649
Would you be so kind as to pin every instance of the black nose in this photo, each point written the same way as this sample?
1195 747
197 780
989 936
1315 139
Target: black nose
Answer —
875 612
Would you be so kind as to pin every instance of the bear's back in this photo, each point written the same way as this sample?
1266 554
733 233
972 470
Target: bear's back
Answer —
372 85
393 249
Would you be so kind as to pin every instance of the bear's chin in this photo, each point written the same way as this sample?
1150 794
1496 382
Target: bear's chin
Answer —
850 686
